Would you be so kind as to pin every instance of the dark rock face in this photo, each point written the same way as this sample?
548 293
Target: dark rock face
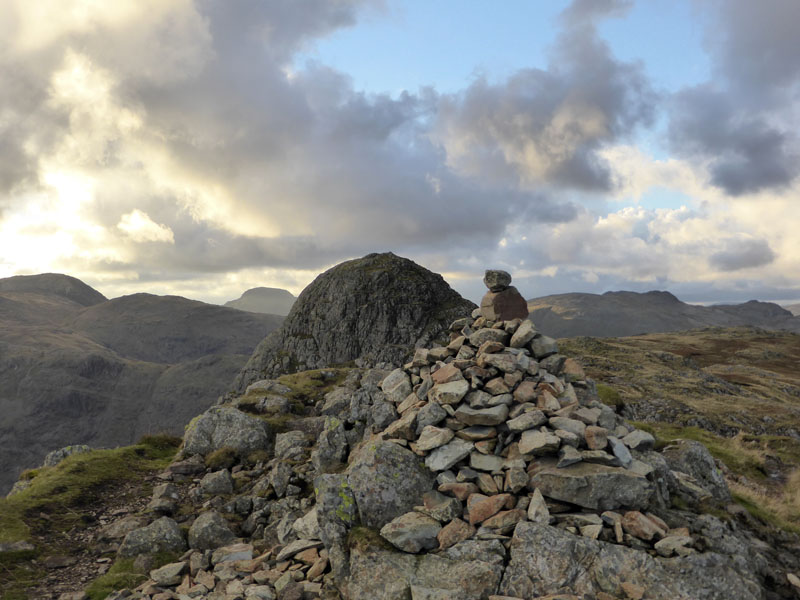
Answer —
373 308
76 368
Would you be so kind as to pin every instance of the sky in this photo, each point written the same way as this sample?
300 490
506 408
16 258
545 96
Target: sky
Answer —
205 147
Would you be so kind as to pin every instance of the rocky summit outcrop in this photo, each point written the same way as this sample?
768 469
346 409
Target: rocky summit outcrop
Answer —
370 310
482 469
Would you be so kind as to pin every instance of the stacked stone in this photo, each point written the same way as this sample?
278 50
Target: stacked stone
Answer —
514 432
234 571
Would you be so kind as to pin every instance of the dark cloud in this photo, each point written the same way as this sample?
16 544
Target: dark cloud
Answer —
546 126
744 123
747 153
743 254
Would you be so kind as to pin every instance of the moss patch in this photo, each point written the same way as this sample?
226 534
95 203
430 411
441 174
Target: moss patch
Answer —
308 387
58 498
609 395
364 539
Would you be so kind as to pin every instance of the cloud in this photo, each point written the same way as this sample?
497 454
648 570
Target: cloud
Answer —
743 254
138 226
744 123
548 126
745 153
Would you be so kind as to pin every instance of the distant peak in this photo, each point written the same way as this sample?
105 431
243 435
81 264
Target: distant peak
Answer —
54 284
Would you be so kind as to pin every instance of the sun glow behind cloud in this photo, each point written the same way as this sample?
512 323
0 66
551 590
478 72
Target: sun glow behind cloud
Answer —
173 144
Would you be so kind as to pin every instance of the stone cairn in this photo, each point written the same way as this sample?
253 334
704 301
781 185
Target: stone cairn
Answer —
467 444
514 432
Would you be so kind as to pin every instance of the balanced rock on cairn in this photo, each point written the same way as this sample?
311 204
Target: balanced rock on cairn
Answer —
502 302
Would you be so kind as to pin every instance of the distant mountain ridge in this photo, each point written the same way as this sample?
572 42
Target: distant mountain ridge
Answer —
794 309
274 301
77 368
619 314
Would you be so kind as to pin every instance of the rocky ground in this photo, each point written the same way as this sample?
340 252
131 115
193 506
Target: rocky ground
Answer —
487 468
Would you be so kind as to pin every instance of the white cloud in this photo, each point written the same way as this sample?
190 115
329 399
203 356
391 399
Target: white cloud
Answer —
138 226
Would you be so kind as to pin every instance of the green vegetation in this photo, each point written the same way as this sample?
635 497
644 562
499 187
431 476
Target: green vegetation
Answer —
608 395
308 387
364 538
123 574
222 458
57 499
746 455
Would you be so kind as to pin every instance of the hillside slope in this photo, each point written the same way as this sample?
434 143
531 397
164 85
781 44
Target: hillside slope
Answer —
76 368
616 314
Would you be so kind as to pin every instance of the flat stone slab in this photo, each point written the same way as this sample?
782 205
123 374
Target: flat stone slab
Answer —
592 486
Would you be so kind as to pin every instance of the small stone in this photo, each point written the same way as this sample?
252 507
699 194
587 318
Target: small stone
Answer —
596 437
486 462
793 580
482 507
591 531
542 346
496 280
477 433
446 456
447 374
496 386
620 451
168 575
538 443
571 425
430 414
669 545
452 533
462 491
568 438
599 457
523 335
488 334
412 532
568 455
296 547
516 479
487 484
640 526
232 553
527 420
217 482
433 437
639 440
396 386
504 521
537 509
449 393
485 416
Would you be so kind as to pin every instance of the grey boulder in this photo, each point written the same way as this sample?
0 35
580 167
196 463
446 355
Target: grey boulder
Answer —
162 535
223 426
387 481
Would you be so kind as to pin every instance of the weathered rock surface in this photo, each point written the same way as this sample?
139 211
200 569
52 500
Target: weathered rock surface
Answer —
162 535
387 481
593 486
373 309
469 570
693 458
546 560
223 426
